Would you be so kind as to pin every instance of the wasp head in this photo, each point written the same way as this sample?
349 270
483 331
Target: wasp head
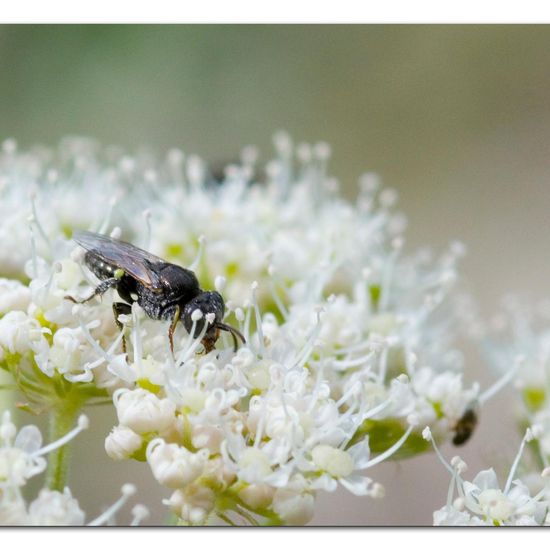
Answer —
208 303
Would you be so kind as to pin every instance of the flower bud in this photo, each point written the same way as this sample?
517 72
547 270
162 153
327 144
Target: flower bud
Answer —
253 465
257 495
193 399
335 462
174 466
122 443
69 275
19 333
143 411
258 376
192 504
13 296
207 437
293 507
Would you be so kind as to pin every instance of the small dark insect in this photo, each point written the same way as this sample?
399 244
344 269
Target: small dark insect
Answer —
465 427
164 291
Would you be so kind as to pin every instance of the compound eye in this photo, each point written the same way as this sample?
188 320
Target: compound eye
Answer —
207 303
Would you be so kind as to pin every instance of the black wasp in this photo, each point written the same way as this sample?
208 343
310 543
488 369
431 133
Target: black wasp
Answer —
465 427
164 291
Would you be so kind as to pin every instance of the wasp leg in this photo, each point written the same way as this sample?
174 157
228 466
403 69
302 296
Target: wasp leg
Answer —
120 308
172 328
101 288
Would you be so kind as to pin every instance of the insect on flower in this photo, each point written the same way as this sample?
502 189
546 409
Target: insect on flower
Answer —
465 427
164 290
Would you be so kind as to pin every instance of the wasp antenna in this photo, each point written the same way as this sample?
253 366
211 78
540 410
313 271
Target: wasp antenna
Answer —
234 333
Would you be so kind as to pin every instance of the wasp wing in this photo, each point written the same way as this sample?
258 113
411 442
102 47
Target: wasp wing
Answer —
132 260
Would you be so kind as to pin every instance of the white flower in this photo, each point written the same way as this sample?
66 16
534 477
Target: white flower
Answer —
450 516
442 399
22 457
294 504
20 333
13 511
13 296
192 504
482 501
55 508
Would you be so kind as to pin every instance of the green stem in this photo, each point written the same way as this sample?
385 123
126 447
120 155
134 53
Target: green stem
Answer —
62 420
6 391
225 518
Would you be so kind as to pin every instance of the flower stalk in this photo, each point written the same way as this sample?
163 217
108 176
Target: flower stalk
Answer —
61 420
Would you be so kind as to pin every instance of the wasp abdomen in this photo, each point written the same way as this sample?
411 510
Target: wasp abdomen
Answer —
100 268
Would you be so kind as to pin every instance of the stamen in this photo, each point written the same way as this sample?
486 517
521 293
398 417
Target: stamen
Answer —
526 438
36 221
350 363
451 491
318 381
127 491
354 387
375 410
410 360
115 343
261 422
258 320
394 448
219 284
192 343
307 349
56 268
147 216
116 233
87 334
107 220
34 256
427 435
136 338
274 294
367 345
246 327
388 276
499 384
139 513
198 257
377 491
83 424
7 428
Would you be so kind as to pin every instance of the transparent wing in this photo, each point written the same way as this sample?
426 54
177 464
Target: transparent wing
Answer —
132 260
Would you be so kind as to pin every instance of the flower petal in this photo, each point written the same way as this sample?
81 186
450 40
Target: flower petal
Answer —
358 485
29 439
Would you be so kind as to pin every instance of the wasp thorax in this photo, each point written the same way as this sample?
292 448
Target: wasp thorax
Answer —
211 308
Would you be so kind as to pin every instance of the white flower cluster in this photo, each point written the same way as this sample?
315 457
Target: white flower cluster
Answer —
348 347
516 344
22 456
483 502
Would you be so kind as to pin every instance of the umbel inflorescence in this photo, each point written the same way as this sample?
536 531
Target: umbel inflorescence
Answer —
348 355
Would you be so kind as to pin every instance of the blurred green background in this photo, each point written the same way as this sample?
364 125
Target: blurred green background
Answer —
456 118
